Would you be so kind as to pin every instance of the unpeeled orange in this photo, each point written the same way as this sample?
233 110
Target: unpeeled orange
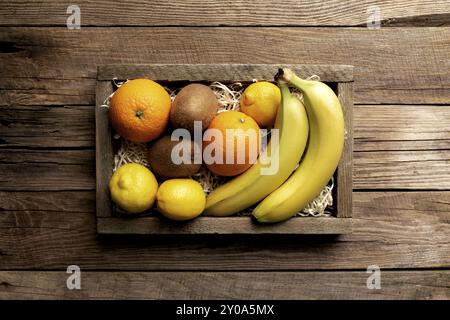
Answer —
139 110
236 141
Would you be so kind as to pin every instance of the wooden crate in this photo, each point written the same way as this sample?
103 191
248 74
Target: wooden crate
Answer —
339 77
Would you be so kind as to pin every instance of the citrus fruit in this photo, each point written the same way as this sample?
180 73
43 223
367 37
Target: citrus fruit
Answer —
261 100
181 199
133 188
237 146
139 110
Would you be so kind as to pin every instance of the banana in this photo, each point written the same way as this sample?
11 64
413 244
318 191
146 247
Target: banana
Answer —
252 186
326 141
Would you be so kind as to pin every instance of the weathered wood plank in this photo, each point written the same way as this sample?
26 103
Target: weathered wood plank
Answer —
221 72
104 154
43 91
344 181
227 285
383 73
376 127
48 230
223 225
47 169
48 157
230 13
74 170
49 202
406 127
402 170
43 126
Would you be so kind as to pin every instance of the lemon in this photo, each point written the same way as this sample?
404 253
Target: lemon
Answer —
133 187
261 101
181 199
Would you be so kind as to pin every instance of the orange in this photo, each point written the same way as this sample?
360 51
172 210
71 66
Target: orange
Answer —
236 129
139 110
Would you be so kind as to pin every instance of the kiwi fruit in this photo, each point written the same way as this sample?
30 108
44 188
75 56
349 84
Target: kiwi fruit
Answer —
160 158
195 102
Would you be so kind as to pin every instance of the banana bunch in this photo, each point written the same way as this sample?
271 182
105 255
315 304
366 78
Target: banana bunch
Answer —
257 182
286 192
326 141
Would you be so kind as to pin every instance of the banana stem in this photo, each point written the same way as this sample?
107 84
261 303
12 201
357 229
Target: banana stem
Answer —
283 75
286 75
284 89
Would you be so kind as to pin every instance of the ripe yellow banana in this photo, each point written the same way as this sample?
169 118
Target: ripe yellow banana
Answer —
252 186
326 141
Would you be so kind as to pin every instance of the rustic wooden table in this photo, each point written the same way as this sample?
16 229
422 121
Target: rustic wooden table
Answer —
401 157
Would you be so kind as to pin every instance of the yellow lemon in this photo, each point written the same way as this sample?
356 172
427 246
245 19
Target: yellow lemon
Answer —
181 199
133 187
261 101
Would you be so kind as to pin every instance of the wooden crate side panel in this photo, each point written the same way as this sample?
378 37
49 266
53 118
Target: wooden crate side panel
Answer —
103 150
344 192
222 225
221 72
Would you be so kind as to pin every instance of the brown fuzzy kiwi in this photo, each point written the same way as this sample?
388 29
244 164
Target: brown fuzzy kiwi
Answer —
195 102
160 160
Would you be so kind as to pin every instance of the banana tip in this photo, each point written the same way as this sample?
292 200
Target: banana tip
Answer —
259 216
263 220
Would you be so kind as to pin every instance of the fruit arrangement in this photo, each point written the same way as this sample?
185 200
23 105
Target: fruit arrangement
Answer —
269 150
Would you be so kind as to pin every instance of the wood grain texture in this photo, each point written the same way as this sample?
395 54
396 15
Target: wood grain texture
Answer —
227 285
104 154
401 128
376 127
222 225
402 170
35 90
37 170
221 72
220 13
344 181
48 230
45 126
389 63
